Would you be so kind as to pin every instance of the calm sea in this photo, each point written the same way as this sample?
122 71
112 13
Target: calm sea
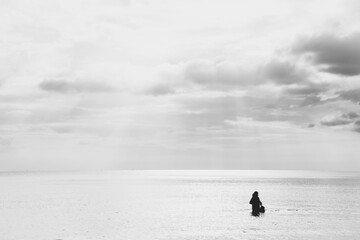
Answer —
136 205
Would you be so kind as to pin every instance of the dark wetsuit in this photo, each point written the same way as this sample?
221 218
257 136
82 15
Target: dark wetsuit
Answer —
255 202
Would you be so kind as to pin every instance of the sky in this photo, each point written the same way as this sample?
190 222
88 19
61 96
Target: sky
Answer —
191 84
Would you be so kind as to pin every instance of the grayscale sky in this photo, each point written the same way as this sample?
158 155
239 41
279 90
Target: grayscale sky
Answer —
169 84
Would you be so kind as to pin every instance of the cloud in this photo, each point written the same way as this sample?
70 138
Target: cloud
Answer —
200 74
161 89
65 86
352 95
331 120
306 89
333 54
310 101
5 143
357 126
309 93
284 73
351 115
225 76
351 118
219 75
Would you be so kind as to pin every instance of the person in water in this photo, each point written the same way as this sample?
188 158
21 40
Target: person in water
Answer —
256 203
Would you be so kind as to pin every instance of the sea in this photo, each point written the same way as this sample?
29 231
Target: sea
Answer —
178 205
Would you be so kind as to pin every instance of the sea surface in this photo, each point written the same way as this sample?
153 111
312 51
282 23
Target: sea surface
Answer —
169 205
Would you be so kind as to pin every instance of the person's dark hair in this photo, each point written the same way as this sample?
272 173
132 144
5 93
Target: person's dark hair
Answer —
255 194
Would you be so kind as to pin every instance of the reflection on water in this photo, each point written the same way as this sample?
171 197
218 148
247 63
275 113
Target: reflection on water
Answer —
179 205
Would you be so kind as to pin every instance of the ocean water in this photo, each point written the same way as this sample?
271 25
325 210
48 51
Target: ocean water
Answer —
138 205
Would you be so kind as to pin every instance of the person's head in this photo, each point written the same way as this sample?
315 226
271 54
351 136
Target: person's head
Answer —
255 194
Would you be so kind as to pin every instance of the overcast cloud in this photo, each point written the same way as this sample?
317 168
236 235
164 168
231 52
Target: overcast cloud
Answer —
179 84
